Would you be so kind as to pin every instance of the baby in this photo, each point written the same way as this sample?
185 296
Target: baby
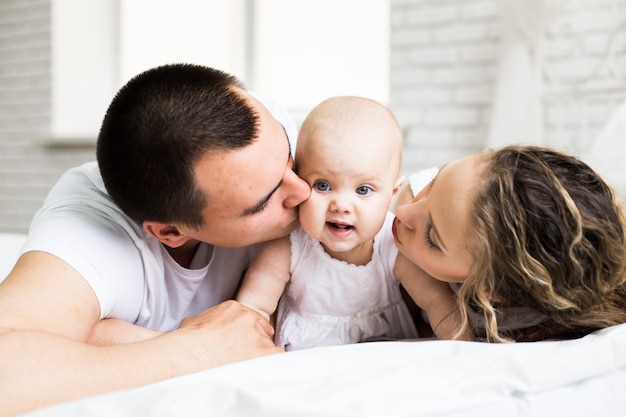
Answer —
335 273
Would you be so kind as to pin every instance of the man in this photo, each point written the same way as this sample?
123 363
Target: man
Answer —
192 171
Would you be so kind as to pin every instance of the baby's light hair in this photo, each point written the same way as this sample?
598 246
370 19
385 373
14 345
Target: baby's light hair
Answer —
348 112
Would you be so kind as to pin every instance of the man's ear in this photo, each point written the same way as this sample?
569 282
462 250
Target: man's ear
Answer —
166 233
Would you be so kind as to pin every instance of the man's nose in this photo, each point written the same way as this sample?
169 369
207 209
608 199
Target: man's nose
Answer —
298 190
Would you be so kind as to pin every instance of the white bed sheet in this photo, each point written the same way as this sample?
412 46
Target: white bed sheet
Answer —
425 378
581 377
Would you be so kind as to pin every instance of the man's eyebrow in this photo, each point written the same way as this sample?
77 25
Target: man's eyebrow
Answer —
259 206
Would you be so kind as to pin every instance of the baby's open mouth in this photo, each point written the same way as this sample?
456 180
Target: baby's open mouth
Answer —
339 226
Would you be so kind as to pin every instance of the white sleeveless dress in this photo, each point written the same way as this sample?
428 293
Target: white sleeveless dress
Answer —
331 302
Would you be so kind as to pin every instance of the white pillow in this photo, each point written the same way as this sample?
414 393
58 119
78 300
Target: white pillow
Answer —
10 245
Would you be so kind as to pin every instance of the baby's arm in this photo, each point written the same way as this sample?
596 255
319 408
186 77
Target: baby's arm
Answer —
267 276
435 297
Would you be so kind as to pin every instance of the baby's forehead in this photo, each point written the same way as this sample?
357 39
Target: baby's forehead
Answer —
379 142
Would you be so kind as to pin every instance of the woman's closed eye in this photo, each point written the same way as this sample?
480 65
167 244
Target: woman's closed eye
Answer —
427 239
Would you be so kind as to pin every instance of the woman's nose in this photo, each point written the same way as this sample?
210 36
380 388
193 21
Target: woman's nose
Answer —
406 214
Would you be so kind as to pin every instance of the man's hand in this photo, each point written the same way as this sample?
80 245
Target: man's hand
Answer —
48 338
229 332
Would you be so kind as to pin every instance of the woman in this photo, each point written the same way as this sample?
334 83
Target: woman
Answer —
532 240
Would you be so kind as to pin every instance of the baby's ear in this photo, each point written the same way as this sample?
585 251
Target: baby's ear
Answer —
400 197
398 184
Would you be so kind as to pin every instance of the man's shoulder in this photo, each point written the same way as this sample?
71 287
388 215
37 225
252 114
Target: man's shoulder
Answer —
81 197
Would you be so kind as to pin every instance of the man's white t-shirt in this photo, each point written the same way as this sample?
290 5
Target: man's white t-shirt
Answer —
131 273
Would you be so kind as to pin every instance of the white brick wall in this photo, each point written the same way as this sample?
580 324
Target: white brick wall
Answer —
443 63
28 168
582 45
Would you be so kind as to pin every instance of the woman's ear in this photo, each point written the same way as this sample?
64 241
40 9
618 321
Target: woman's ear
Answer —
166 233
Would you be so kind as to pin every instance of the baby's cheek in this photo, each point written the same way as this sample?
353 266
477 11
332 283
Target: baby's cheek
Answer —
306 209
312 217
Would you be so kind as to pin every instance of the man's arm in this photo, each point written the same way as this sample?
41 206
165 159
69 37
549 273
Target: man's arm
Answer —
115 331
47 312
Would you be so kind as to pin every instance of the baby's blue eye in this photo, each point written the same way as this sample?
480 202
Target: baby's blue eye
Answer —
322 186
364 190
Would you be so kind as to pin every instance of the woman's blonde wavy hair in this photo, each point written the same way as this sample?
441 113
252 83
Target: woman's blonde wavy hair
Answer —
549 234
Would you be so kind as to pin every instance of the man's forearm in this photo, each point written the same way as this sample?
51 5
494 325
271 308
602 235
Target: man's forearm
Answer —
39 369
114 331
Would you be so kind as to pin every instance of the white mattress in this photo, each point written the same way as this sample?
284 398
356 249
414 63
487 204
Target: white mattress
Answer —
581 377
424 378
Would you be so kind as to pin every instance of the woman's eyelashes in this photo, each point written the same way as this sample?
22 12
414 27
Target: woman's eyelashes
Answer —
427 239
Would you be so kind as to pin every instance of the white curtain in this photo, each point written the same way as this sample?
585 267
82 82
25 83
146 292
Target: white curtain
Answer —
517 110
